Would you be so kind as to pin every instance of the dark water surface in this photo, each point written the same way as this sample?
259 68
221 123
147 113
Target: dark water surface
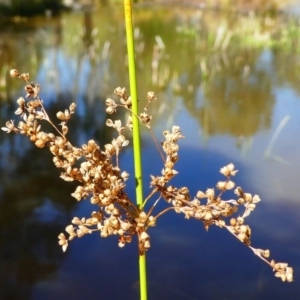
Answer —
239 104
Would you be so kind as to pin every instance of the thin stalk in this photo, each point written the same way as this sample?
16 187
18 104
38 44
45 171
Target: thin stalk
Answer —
151 131
136 135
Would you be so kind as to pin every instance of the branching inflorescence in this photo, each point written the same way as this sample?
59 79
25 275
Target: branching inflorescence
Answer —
103 182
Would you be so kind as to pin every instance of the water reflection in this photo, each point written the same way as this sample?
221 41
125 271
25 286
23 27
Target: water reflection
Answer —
28 255
226 95
245 102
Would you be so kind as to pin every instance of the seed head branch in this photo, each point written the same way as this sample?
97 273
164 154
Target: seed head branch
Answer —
100 179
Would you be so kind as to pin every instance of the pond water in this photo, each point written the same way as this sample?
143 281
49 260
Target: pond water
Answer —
235 101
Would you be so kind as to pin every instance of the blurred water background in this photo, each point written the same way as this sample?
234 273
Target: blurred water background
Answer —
229 79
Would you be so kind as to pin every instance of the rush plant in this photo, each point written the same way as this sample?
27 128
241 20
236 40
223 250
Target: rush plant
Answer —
101 181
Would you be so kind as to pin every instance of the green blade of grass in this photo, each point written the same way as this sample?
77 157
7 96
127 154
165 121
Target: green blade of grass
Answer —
136 134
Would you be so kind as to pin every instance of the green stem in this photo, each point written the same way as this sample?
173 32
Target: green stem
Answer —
136 135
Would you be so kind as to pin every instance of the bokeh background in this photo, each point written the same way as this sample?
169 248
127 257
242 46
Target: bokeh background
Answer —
226 72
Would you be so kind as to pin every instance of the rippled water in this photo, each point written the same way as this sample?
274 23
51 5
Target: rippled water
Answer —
239 104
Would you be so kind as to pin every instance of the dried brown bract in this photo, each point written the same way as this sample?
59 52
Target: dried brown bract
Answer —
101 180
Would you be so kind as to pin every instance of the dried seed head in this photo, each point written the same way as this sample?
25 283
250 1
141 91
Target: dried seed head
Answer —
121 92
109 123
21 101
64 130
72 108
121 244
266 253
232 221
151 96
110 102
25 76
147 244
14 73
61 116
63 241
256 199
144 235
201 195
125 175
221 185
40 143
111 109
228 170
210 193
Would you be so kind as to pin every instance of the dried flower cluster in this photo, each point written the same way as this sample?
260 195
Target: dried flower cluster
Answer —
102 182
